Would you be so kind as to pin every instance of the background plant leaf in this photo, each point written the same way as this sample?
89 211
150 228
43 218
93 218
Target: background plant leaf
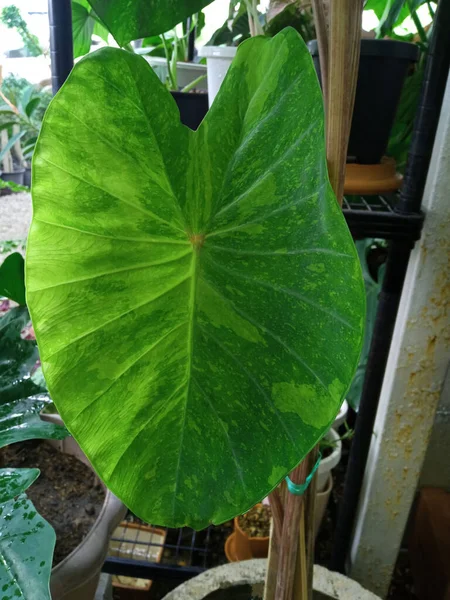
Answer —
20 421
143 18
18 357
12 278
26 546
15 481
200 340
373 289
82 29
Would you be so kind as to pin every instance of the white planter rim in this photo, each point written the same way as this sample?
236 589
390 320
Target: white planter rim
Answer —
328 463
341 416
187 66
253 571
218 51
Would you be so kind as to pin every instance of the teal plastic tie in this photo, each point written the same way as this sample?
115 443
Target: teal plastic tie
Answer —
300 488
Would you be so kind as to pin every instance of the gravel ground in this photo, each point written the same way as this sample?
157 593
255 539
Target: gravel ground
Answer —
15 218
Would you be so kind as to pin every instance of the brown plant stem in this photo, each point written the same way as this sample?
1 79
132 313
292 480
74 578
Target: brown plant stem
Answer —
276 504
344 50
289 546
321 25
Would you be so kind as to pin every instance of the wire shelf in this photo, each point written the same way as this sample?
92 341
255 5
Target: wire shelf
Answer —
183 553
376 216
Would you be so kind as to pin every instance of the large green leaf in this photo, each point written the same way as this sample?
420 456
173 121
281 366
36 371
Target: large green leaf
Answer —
15 481
26 548
20 421
129 21
18 357
196 296
12 278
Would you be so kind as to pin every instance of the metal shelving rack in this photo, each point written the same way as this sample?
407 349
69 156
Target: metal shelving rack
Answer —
396 218
189 555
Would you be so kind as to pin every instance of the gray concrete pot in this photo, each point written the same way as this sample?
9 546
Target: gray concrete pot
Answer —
251 574
77 576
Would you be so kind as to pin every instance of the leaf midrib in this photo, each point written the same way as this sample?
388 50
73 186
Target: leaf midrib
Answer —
190 350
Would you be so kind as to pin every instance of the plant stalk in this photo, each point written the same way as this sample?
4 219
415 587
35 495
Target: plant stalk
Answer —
289 546
321 26
344 51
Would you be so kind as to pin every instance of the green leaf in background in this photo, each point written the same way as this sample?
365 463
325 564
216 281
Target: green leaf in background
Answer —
82 29
200 324
15 481
392 13
101 31
373 289
143 18
12 140
15 187
18 357
12 278
20 421
26 547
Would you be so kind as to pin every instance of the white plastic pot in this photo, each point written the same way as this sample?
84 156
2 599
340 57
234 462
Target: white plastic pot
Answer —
328 463
341 416
187 72
218 61
328 584
77 576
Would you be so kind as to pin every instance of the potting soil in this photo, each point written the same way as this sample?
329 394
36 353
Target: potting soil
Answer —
67 493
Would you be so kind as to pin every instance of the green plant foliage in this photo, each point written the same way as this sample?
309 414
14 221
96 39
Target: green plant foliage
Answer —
26 546
402 129
296 15
12 278
29 104
82 29
143 18
15 481
14 187
392 13
197 299
26 540
235 28
85 23
373 289
17 357
11 17
20 421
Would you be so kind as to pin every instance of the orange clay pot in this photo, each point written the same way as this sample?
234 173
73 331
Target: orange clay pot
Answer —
372 179
240 546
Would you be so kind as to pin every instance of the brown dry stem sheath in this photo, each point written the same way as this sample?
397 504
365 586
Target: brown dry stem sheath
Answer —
276 504
321 25
289 545
344 50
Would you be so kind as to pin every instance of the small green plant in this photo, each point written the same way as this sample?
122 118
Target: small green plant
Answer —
11 17
330 443
21 113
244 20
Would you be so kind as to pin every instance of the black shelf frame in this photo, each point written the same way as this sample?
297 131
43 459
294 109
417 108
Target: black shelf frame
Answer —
376 216
396 218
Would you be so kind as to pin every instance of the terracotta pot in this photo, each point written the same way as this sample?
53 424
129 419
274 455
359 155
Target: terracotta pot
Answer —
239 546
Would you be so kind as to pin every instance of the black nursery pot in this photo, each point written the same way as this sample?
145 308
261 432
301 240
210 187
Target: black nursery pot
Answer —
15 177
193 107
27 177
383 67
